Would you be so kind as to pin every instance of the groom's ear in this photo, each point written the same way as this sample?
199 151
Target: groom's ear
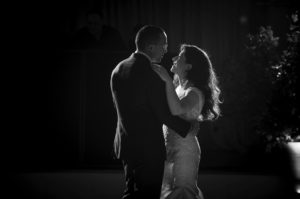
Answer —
150 47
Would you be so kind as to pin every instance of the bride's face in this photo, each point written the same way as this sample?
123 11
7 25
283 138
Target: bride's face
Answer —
180 66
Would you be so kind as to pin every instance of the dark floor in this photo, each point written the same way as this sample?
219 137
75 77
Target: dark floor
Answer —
109 184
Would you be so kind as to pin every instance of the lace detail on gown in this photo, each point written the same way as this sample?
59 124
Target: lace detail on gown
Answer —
183 158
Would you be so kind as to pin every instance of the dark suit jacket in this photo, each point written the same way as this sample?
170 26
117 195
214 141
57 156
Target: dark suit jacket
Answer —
139 97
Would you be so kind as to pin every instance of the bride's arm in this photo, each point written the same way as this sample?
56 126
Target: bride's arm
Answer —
180 106
177 106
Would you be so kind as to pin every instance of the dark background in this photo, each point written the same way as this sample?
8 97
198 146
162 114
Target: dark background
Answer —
59 103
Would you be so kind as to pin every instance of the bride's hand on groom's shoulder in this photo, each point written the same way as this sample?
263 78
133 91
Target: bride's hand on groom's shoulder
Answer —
162 72
156 67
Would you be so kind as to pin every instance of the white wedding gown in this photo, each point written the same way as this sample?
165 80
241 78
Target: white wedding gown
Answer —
183 158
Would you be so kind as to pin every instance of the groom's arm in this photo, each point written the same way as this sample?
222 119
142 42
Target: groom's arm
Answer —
158 100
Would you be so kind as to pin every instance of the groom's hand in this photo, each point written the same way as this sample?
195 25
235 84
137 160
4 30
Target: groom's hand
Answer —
195 125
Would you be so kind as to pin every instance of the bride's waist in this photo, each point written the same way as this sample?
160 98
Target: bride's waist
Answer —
171 134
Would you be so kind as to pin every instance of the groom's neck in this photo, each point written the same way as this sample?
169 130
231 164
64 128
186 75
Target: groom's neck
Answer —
145 54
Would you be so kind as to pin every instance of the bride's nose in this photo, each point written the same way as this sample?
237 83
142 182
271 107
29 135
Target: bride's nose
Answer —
174 58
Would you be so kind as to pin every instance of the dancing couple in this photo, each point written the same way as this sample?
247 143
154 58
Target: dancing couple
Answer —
159 117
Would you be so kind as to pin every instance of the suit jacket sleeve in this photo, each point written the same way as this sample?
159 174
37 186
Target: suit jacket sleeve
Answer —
157 95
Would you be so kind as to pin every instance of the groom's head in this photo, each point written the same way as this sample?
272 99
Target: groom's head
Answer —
152 40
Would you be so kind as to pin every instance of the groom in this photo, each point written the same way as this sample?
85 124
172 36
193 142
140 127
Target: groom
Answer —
140 100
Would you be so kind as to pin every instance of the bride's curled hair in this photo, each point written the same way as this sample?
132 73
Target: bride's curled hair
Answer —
202 76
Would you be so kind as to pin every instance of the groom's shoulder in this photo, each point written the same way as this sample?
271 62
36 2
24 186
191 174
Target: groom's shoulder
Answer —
122 66
126 61
135 59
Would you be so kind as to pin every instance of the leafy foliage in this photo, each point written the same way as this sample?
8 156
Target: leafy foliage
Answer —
279 123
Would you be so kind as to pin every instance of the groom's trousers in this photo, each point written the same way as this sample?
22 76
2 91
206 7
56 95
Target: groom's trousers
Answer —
143 178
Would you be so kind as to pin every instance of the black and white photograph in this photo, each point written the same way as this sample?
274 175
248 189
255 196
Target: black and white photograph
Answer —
152 99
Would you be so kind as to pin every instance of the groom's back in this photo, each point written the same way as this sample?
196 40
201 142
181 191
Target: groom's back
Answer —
137 128
128 84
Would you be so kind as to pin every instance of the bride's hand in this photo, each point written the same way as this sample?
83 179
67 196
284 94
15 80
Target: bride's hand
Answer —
162 72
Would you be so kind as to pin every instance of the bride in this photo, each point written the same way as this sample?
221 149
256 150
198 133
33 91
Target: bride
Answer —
194 95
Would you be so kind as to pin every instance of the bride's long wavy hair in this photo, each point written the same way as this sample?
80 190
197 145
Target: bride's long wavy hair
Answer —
202 76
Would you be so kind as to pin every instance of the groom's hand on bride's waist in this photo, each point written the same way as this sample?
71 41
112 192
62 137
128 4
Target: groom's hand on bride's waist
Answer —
195 125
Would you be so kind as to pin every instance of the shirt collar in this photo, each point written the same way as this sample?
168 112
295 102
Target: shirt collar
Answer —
140 52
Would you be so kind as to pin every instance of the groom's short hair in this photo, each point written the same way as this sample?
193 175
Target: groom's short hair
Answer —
147 35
